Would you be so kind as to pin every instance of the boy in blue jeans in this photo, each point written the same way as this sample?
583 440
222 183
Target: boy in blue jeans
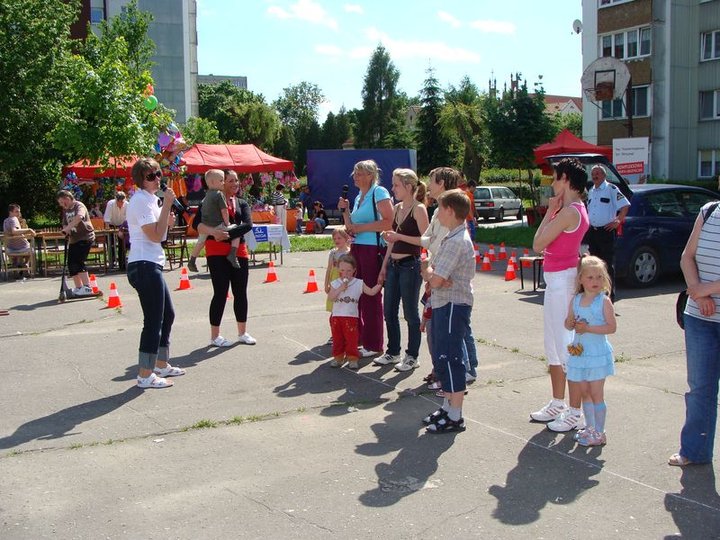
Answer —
450 278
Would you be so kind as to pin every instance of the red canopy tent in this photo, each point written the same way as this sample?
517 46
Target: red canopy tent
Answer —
567 143
241 158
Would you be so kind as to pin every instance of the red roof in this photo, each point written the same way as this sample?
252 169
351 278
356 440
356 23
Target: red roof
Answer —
242 158
567 143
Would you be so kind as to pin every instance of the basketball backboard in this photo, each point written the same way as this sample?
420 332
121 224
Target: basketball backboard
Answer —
605 79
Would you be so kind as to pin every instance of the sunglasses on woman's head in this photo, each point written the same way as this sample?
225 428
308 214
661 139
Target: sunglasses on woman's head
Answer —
153 175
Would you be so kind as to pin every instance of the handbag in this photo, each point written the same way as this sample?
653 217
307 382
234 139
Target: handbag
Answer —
682 298
380 254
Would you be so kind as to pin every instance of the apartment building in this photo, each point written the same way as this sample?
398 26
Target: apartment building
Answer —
174 31
672 50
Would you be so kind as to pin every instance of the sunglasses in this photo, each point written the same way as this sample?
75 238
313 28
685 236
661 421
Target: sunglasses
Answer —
153 176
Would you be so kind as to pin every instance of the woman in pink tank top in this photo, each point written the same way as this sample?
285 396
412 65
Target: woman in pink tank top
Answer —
558 238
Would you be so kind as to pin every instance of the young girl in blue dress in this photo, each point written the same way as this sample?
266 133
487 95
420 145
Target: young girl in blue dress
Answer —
592 316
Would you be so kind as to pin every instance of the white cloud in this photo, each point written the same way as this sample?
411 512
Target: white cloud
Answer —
434 50
329 50
446 17
494 27
304 10
354 8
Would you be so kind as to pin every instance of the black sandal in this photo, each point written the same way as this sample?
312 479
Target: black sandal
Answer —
445 425
431 418
430 377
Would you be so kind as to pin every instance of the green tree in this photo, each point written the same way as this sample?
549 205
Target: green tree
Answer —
517 124
34 43
571 121
285 145
241 116
200 130
461 120
380 107
433 144
298 108
336 129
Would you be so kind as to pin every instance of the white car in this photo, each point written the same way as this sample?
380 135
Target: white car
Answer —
496 202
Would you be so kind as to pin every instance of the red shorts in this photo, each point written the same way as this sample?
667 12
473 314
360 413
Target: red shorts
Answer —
345 333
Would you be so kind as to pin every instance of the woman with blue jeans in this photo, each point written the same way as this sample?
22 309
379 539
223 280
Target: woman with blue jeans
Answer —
148 224
702 340
401 273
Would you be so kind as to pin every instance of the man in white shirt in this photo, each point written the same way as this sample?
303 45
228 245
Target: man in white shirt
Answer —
115 216
607 208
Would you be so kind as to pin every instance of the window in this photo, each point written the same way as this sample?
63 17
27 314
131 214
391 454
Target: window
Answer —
708 163
665 204
710 46
617 107
606 3
624 45
97 15
710 105
640 102
694 201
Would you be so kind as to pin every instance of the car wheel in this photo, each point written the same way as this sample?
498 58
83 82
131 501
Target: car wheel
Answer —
519 214
500 214
644 269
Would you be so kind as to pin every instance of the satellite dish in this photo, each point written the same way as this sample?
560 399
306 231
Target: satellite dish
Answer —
577 26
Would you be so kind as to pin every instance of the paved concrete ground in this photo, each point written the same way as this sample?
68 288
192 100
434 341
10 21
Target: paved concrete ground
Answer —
268 441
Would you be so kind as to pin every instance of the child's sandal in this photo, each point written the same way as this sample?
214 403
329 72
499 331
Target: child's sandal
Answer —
677 460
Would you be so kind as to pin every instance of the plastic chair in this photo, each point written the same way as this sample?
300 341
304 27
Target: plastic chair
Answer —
8 257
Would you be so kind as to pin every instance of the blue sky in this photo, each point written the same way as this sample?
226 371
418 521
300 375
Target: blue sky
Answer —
276 43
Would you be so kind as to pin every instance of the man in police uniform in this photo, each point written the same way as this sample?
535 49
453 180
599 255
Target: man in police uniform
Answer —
607 208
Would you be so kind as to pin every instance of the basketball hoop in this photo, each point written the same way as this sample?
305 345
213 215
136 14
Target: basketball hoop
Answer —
605 79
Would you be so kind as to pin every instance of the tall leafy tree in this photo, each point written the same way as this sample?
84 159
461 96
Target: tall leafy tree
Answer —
298 108
241 116
571 121
517 124
336 129
462 119
200 130
433 144
380 107
34 44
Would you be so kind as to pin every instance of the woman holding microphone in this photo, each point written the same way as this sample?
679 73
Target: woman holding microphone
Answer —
148 225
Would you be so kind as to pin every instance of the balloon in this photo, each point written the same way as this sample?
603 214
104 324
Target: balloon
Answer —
149 90
164 139
150 103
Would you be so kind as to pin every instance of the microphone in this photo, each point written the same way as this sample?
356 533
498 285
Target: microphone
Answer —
345 190
177 205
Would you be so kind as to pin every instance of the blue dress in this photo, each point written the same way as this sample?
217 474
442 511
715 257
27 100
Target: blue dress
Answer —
596 361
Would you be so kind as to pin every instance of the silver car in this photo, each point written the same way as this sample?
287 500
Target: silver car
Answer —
496 202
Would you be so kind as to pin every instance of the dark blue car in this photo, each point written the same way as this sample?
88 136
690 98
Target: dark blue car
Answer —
656 229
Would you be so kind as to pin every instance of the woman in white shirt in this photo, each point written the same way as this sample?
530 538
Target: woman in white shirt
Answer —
148 224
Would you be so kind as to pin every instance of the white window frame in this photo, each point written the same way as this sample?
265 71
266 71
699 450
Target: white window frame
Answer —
622 103
714 159
716 105
638 30
608 3
714 37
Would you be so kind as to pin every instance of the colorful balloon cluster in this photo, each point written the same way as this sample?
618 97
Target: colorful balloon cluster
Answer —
169 149
150 101
72 184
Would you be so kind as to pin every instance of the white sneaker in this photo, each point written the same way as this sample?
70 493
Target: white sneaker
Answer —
82 291
549 412
221 342
408 363
246 339
386 359
364 353
567 421
470 378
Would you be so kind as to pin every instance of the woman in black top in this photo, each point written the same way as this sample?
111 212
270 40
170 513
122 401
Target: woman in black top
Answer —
321 220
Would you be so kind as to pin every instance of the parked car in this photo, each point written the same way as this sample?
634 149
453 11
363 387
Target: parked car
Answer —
656 229
589 161
496 201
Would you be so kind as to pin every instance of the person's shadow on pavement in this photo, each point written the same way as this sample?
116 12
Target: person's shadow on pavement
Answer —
545 474
412 468
696 509
59 424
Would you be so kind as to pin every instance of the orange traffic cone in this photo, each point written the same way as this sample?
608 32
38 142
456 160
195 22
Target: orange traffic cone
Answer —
114 298
526 253
491 253
93 284
513 261
184 280
478 259
271 275
311 283
510 272
486 266
503 254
